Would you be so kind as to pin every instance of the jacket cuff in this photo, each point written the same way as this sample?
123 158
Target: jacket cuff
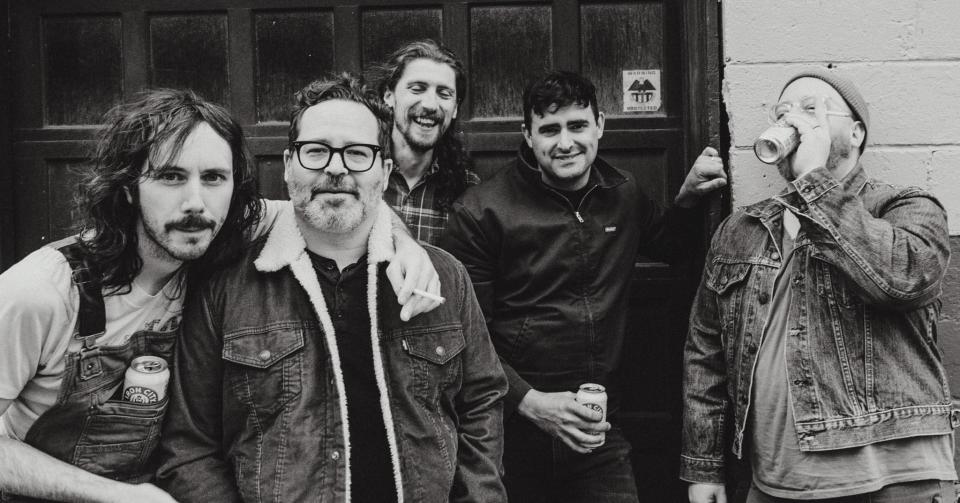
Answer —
518 389
814 184
701 470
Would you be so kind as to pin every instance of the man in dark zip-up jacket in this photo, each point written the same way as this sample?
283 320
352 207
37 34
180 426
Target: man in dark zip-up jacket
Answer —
550 244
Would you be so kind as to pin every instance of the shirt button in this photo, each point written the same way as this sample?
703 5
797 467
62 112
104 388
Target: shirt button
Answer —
764 297
335 455
775 256
440 351
265 354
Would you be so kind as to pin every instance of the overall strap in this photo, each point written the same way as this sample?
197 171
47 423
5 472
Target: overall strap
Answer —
91 319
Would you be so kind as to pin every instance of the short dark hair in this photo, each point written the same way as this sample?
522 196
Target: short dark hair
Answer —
138 131
450 152
343 86
558 89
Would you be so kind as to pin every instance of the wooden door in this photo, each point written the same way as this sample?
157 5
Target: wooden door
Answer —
71 60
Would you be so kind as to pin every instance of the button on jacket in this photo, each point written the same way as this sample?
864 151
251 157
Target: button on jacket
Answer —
258 411
862 364
552 278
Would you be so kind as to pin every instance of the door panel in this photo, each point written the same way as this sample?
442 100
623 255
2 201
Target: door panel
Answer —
73 60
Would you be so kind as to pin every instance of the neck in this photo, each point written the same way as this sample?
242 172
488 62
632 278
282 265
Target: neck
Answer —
410 163
157 268
343 248
846 165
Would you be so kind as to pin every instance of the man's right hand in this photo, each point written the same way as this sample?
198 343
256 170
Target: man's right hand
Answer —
707 493
560 415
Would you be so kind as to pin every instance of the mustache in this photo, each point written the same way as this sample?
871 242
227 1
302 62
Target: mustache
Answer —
191 222
338 183
419 112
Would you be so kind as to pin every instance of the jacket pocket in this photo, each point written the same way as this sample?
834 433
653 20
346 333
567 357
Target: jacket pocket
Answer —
264 366
435 361
118 439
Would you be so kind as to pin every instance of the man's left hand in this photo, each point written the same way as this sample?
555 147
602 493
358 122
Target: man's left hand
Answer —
411 268
706 176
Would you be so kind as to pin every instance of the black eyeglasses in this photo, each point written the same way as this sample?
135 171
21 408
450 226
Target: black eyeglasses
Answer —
316 155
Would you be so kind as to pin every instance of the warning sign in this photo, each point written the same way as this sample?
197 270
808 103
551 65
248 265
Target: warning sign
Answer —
641 90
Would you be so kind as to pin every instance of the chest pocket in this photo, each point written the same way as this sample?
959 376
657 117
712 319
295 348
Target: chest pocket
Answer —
728 282
434 359
264 366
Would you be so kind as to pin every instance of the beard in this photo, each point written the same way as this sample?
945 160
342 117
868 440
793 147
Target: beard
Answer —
336 215
161 244
422 144
840 150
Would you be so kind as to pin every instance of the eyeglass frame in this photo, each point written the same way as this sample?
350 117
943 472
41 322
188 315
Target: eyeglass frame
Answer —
771 110
297 145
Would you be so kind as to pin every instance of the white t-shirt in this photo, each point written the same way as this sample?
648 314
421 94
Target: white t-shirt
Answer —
38 315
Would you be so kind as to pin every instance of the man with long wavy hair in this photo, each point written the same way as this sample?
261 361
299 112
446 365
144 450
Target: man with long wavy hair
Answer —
424 83
170 195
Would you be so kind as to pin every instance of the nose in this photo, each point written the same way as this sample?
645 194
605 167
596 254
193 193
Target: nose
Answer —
192 197
336 167
429 100
565 141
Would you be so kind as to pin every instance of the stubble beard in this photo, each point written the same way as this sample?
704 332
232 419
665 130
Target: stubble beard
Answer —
334 217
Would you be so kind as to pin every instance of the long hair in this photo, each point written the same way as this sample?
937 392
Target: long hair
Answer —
449 152
156 123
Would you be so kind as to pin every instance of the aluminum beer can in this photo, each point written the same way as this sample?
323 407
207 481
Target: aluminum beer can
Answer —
594 396
146 380
776 144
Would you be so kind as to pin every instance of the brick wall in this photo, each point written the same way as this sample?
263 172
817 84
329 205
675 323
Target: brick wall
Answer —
905 57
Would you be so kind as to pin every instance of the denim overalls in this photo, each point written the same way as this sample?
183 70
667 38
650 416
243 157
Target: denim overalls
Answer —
90 426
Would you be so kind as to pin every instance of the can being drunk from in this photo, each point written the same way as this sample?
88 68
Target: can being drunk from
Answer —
776 144
146 380
594 396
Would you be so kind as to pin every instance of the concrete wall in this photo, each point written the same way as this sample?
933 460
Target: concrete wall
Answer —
905 57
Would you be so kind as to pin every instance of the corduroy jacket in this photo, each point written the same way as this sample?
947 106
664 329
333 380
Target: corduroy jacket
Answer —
258 411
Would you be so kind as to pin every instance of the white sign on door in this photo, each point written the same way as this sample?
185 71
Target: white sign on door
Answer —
641 90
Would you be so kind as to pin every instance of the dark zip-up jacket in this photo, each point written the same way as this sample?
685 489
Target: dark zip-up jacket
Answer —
552 278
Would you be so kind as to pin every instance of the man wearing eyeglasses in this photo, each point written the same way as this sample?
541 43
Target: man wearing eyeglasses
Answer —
813 340
304 385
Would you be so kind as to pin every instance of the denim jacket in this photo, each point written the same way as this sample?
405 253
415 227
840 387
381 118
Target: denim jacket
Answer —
863 364
258 411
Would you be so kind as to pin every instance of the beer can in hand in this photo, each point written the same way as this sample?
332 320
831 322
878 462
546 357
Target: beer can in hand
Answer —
776 143
146 380
594 396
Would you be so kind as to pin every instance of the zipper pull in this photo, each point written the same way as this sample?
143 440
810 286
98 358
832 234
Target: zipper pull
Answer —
403 344
579 218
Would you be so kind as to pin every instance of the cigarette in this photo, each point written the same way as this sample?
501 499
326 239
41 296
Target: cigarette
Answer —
429 295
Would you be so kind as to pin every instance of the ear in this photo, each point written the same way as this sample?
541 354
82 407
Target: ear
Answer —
526 135
387 169
389 99
600 125
858 134
456 108
287 159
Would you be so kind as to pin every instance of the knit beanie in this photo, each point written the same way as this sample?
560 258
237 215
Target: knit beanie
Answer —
847 90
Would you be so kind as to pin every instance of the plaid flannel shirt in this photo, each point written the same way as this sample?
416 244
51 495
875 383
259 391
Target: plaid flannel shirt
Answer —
417 206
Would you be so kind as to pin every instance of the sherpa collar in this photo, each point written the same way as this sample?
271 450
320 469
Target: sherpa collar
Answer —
285 247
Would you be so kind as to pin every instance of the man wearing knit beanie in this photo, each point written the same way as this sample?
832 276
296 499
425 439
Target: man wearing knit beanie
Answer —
812 346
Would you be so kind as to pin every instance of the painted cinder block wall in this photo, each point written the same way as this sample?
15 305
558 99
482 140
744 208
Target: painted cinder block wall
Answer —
905 57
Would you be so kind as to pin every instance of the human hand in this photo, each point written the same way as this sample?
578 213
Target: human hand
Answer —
707 493
814 148
411 268
562 416
706 176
